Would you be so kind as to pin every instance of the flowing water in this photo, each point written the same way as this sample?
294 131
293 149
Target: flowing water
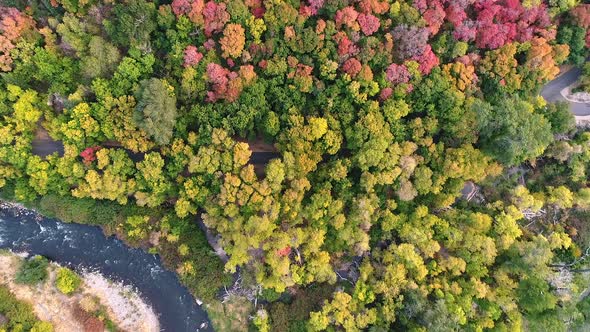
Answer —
86 247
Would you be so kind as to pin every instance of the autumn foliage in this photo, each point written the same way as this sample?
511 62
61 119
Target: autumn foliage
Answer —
416 175
232 42
89 154
13 24
192 56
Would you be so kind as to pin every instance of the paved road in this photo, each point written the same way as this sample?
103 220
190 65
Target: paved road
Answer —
262 158
551 91
45 147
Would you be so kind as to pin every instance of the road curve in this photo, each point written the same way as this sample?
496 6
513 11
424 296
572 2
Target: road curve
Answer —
552 91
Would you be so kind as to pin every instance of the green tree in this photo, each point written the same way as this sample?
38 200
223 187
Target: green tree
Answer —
20 314
534 296
102 58
560 117
152 185
155 111
575 36
132 23
32 271
512 131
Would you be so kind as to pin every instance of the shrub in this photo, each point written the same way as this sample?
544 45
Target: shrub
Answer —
292 314
42 327
66 208
19 314
67 281
270 295
32 271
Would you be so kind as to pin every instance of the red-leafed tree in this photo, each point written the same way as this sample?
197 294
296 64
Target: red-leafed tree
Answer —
5 59
305 11
385 93
409 41
397 74
216 16
89 154
227 85
466 31
345 45
373 6
501 22
181 7
492 35
347 16
427 60
256 7
219 78
455 13
315 5
581 15
192 56
192 8
284 251
352 67
421 5
369 24
434 16
13 23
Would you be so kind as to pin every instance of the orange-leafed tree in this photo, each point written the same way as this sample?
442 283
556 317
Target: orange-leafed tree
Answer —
13 24
233 40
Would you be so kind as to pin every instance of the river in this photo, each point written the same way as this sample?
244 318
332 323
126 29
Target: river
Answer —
86 247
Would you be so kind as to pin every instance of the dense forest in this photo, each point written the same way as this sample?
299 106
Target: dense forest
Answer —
417 180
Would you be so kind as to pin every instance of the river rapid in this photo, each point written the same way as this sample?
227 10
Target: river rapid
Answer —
84 247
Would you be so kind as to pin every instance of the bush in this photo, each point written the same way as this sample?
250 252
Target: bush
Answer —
292 314
42 327
19 314
88 211
270 295
32 271
67 281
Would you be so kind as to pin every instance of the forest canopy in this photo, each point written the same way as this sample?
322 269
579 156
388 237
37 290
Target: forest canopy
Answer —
417 179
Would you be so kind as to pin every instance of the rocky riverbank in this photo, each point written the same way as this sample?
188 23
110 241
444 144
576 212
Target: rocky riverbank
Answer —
98 305
86 248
